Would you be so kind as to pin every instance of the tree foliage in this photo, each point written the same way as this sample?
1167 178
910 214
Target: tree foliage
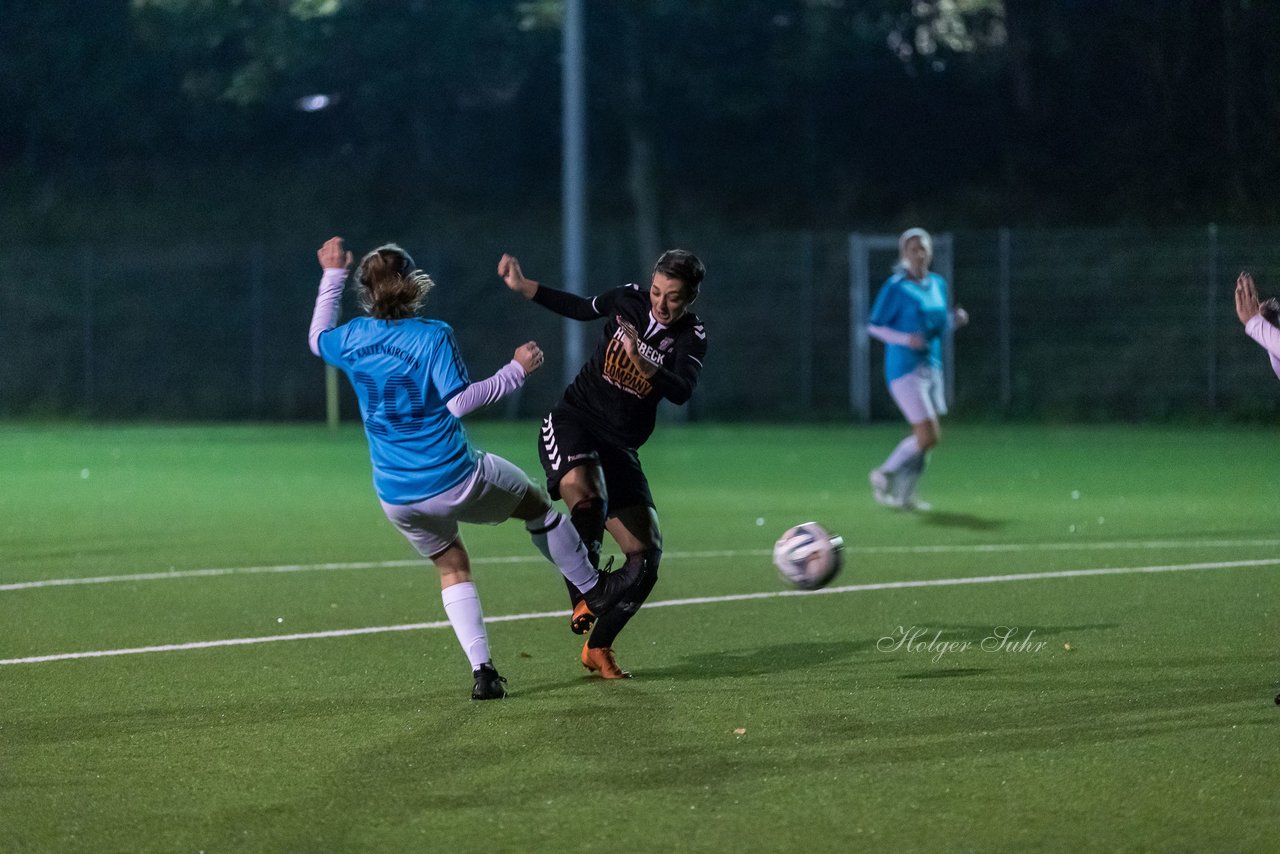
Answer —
779 112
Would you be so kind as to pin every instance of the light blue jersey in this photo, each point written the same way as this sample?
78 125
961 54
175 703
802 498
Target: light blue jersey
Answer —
404 372
916 308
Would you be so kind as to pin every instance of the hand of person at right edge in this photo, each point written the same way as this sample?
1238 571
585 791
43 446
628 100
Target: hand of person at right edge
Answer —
1247 306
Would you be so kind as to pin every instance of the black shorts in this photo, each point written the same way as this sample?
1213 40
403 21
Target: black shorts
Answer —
566 441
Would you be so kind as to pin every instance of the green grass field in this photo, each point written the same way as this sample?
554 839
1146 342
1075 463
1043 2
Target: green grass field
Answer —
1135 711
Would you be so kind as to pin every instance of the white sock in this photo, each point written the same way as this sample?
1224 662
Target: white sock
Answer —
462 605
905 450
559 543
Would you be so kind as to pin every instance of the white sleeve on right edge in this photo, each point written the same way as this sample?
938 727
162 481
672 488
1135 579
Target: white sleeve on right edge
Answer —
328 303
1264 333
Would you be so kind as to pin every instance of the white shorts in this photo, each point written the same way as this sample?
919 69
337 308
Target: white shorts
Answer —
920 394
487 497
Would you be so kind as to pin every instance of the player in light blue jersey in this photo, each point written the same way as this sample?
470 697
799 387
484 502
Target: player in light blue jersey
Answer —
911 315
413 388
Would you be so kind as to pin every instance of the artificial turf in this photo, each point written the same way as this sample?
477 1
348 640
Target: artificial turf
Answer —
1129 709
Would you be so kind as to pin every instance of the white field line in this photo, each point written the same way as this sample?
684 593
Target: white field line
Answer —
1140 545
668 603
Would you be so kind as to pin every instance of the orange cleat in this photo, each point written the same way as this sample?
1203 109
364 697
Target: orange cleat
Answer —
600 660
581 621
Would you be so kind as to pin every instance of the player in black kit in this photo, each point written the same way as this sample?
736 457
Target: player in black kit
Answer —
652 348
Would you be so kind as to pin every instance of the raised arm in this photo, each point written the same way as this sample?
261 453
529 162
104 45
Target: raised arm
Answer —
1254 315
562 303
1265 334
335 259
508 378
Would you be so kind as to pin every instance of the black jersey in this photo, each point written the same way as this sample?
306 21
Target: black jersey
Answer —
615 397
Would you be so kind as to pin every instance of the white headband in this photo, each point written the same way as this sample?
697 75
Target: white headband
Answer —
915 232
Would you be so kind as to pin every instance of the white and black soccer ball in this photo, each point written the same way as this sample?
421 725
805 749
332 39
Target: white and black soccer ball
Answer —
808 556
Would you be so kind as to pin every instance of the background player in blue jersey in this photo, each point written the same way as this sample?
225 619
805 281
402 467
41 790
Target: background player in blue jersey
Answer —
413 387
910 315
651 348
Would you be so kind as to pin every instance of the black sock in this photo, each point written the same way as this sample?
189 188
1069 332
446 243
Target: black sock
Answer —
587 517
607 627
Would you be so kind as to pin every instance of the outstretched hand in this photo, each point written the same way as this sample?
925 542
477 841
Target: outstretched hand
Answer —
529 355
334 256
509 271
1247 305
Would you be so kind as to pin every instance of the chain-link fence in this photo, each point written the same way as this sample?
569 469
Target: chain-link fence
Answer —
1069 324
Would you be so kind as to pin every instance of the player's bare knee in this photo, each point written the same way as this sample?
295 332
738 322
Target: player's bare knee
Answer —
534 504
453 563
927 435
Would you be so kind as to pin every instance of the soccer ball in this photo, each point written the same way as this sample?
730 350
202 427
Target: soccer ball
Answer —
808 556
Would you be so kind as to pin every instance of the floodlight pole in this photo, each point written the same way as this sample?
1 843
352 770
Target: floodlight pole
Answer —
859 340
574 178
1211 311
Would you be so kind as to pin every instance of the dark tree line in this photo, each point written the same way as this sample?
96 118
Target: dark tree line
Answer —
767 113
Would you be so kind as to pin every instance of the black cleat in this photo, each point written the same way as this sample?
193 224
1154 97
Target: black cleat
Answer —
581 620
608 592
488 683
